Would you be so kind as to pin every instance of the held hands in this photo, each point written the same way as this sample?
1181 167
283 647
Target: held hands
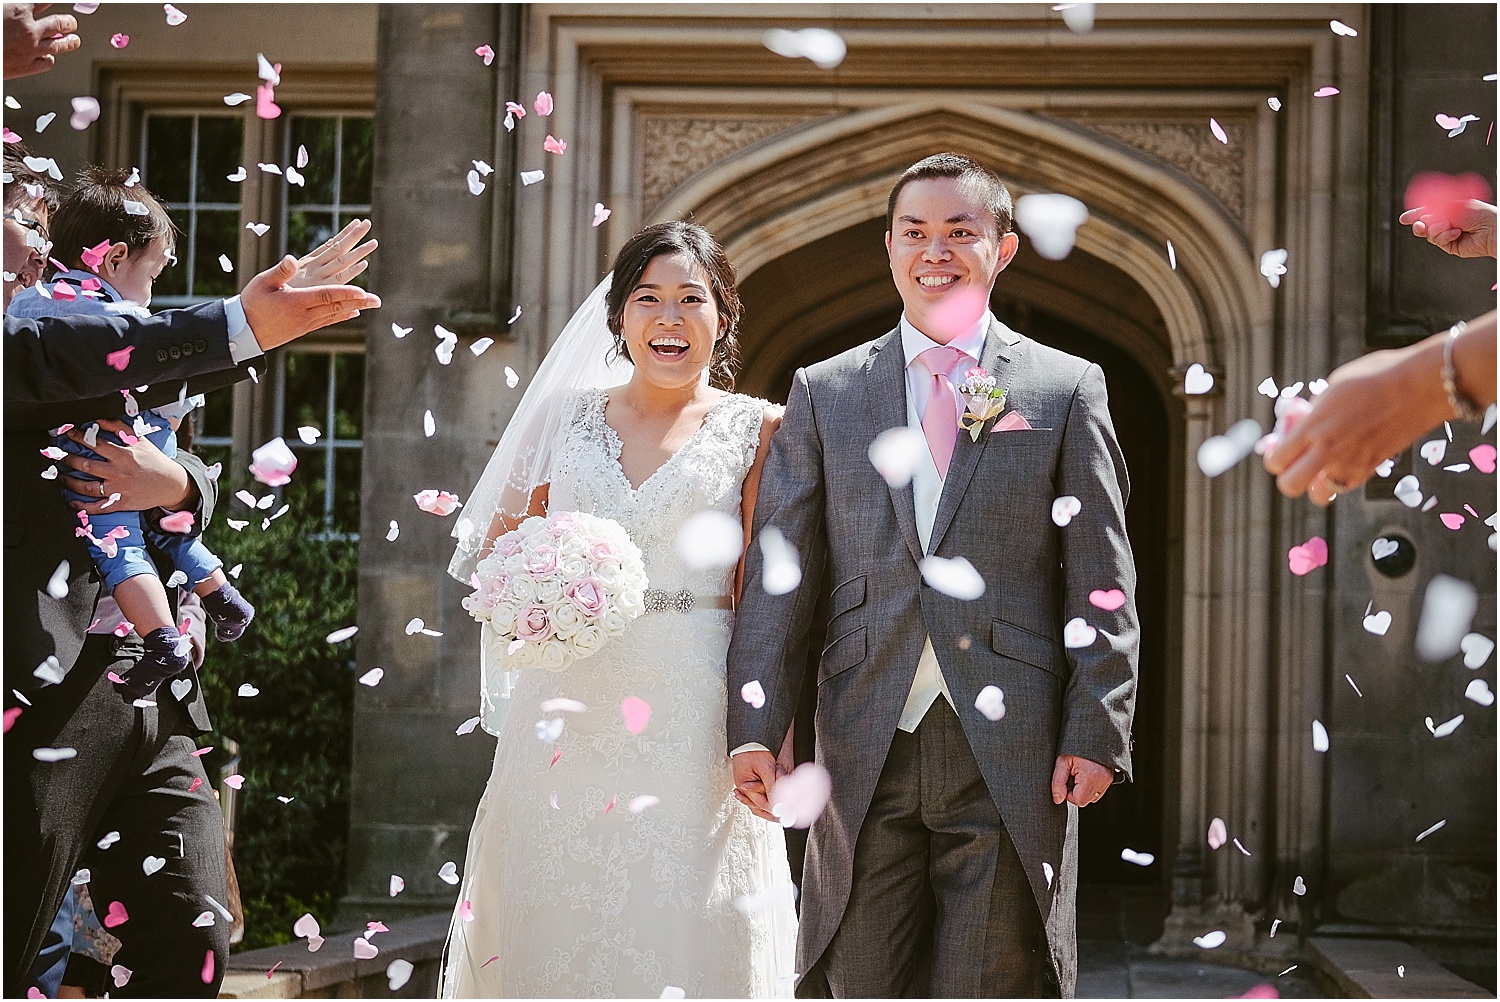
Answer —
755 774
29 43
279 312
1079 781
141 474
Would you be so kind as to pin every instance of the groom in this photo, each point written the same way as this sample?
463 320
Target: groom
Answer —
946 862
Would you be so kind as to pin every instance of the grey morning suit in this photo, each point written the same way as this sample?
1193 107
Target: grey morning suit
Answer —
909 814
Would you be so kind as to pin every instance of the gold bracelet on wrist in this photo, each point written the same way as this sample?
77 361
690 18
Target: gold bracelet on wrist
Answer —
1463 408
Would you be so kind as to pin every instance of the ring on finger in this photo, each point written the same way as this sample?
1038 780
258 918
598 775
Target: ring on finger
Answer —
100 483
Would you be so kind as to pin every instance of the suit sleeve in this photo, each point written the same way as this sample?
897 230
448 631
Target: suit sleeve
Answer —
60 359
208 495
771 636
1099 704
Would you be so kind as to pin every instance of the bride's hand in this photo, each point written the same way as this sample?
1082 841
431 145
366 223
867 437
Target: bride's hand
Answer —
754 777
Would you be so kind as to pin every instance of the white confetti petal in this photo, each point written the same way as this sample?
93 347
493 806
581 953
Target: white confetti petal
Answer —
710 540
955 577
1319 736
782 569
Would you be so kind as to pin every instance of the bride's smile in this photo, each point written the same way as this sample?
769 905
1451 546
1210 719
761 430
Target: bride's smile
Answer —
671 322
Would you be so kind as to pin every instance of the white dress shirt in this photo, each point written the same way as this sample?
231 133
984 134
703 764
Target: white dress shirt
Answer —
242 343
927 489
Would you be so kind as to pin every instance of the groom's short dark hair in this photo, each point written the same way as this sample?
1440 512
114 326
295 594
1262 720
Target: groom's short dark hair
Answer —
959 167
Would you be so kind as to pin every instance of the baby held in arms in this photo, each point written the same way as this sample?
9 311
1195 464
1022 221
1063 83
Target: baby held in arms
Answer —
115 239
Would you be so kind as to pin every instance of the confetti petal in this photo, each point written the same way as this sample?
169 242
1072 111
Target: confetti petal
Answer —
554 145
753 693
273 463
398 972
1197 380
119 40
1218 131
397 885
1308 556
1319 736
1476 648
1325 92
991 702
710 540
543 104
637 713
1211 940
530 177
340 635
486 53
896 453
600 213
1051 221
1448 608
799 797
85 112
1340 28
955 577
1109 600
372 677
1138 858
448 873
1078 634
825 49
782 570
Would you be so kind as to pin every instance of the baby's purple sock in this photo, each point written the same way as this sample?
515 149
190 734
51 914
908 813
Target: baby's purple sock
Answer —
229 611
161 662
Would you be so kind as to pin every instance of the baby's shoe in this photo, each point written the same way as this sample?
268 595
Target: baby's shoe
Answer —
229 611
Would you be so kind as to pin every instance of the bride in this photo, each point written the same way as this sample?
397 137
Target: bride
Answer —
572 886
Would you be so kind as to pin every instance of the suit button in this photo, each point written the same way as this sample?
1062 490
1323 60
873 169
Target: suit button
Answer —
187 348
201 345
175 351
161 355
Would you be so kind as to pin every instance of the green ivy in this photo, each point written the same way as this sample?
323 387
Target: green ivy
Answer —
294 736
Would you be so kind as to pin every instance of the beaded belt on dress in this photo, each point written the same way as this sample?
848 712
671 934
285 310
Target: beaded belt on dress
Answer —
658 600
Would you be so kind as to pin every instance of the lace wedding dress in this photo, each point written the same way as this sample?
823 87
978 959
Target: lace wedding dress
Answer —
566 890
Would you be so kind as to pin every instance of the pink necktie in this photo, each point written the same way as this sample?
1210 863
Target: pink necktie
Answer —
940 416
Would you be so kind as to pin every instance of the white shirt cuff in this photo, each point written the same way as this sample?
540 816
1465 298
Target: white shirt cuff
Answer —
242 342
749 746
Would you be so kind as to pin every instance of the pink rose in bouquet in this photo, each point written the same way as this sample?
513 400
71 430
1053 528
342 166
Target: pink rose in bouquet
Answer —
542 560
589 596
533 625
603 551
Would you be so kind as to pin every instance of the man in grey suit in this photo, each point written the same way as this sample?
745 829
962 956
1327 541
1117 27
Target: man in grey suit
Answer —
946 862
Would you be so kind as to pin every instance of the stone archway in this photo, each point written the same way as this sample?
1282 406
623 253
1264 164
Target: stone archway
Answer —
809 185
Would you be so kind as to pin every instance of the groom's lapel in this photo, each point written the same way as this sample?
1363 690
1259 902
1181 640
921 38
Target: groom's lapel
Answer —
886 405
1001 347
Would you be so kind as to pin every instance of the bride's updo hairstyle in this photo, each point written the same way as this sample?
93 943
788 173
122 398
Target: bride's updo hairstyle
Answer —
698 244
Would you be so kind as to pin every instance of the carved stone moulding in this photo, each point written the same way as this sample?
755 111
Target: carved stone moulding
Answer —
675 147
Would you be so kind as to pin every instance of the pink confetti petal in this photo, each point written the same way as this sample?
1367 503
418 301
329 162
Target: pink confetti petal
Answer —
437 502
1452 519
10 718
273 969
119 40
600 213
1309 556
265 102
611 805
201 752
126 438
543 104
63 292
1325 92
207 974
120 975
753 693
512 108
376 926
178 521
1109 600
1262 992
1448 121
637 713
489 962
120 360
554 145
273 463
958 311
466 911
115 915
1217 833
93 256
34 993
10 137
556 754
486 53
234 782
1483 458
1218 131
197 782
85 112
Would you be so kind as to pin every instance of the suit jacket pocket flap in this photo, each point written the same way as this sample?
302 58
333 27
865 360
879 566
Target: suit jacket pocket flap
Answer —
1021 644
848 595
845 652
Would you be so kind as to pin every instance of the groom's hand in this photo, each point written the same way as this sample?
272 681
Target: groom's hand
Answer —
754 776
1078 781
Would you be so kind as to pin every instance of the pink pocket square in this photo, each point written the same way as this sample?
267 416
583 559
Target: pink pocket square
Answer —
1011 422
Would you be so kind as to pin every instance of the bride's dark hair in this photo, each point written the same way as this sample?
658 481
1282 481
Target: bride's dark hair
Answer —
696 242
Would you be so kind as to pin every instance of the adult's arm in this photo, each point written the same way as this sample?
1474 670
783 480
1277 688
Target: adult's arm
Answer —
1099 702
770 641
61 359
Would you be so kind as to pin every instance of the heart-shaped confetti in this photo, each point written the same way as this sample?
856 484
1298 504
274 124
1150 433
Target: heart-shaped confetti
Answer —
1476 648
1109 600
954 577
372 677
637 713
1408 491
237 176
398 885
57 584
248 690
364 949
543 104
85 112
448 873
108 840
11 716
1299 886
181 687
991 702
1378 623
1433 451
1051 222
178 521
1382 548
549 730
120 975
115 915
234 782
1309 556
486 53
398 973
753 693
1197 380
476 186
306 926
1272 267
174 16
1483 458
152 864
1138 858
799 797
1217 833
1479 691
119 40
1063 509
82 877
600 213
1211 940
437 502
1452 519
1078 634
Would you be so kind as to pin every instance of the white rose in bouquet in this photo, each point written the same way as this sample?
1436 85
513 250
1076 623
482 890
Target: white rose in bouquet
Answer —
566 622
555 655
549 591
614 622
588 640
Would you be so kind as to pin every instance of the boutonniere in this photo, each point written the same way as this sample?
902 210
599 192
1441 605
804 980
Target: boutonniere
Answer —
982 401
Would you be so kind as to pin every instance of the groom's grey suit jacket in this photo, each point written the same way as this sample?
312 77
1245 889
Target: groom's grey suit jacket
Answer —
820 489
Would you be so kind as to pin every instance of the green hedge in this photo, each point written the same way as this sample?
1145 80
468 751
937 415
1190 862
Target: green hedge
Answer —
294 736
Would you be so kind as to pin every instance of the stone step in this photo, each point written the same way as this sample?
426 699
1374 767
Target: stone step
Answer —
1386 969
334 972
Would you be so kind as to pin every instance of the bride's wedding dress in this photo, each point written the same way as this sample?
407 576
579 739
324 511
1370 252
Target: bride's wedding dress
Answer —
573 886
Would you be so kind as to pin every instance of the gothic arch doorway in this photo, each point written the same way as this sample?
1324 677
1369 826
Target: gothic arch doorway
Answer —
836 292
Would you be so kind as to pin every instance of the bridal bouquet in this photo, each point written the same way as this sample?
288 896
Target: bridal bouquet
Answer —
554 589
